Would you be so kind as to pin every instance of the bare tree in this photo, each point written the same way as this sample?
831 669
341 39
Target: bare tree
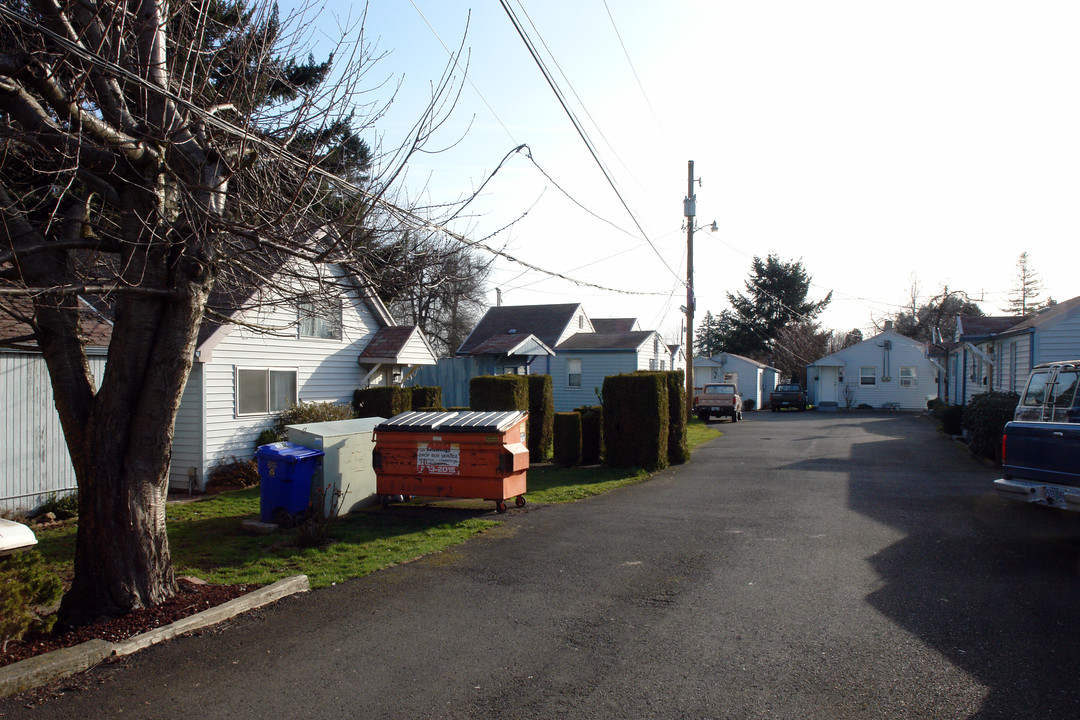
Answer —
796 346
153 155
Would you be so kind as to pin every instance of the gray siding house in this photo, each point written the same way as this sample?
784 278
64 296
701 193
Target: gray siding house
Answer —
755 380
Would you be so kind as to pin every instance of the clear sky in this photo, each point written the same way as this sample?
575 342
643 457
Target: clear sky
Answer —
882 143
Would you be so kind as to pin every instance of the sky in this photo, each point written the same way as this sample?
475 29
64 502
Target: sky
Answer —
885 145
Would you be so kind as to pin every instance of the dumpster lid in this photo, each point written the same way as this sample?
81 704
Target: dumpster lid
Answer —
458 421
287 450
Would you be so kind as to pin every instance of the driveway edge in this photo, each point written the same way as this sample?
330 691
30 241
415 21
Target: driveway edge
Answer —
37 671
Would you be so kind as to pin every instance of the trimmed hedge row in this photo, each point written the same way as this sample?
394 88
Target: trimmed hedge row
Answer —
636 419
567 431
541 416
390 401
499 392
592 433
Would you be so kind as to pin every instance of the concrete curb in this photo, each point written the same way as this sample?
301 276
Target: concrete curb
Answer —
37 671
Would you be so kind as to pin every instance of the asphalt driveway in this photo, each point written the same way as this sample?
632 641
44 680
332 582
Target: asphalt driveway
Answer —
804 565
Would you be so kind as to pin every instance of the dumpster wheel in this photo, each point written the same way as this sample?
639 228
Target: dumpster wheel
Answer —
500 506
385 500
520 501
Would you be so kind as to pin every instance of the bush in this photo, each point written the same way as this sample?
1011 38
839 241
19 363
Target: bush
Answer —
61 506
984 417
951 419
592 433
499 392
27 588
426 397
383 402
266 437
234 472
748 404
541 416
567 431
310 412
636 421
678 450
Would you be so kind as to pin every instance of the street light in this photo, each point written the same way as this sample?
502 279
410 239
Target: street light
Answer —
690 211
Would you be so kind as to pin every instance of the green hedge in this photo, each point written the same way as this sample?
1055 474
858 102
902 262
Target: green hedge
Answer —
382 401
499 392
985 416
541 416
427 397
592 433
567 431
949 416
636 418
678 448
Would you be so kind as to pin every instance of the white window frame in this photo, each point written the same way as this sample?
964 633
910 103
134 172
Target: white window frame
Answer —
911 379
268 408
872 377
316 319
573 364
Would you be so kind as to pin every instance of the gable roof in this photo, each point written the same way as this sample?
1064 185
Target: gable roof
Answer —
546 322
833 359
1048 316
607 341
389 343
512 344
613 325
95 327
717 360
969 327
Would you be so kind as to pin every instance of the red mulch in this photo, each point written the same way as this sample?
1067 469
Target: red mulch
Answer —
190 598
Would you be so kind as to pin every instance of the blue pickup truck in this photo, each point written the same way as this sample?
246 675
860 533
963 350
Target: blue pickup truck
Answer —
1041 446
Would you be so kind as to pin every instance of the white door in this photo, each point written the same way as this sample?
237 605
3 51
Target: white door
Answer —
828 385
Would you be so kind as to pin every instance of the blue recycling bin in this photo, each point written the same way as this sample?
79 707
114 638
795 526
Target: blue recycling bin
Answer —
285 472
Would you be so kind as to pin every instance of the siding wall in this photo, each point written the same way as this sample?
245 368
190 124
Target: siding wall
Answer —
595 366
904 353
34 460
1059 342
327 371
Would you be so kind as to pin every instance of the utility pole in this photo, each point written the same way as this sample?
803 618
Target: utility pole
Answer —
690 210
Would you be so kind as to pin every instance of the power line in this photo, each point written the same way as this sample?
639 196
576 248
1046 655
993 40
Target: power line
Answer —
407 217
578 127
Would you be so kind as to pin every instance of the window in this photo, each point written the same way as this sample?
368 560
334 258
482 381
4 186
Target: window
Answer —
320 319
907 377
260 391
573 373
867 376
652 363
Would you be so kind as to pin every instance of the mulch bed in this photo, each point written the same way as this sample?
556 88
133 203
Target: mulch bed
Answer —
190 598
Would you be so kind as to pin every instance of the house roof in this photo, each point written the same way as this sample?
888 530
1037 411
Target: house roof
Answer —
835 360
96 328
512 344
613 325
546 322
717 360
389 343
1050 314
607 341
971 326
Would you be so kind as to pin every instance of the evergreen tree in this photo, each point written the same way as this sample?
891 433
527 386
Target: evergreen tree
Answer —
776 296
1024 297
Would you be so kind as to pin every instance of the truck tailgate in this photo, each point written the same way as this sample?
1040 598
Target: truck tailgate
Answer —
1046 452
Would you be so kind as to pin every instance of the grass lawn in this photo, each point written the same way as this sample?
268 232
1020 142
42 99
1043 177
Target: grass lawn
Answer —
207 541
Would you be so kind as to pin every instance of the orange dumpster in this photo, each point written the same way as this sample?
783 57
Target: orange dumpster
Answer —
453 455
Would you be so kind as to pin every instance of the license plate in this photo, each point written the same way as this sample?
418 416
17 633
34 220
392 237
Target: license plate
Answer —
1054 495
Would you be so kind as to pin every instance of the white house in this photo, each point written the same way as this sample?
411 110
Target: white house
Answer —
755 380
322 350
888 370
997 353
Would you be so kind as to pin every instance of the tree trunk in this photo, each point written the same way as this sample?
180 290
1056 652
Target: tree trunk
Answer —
122 559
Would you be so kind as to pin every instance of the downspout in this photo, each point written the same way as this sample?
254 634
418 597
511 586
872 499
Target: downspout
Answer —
963 395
